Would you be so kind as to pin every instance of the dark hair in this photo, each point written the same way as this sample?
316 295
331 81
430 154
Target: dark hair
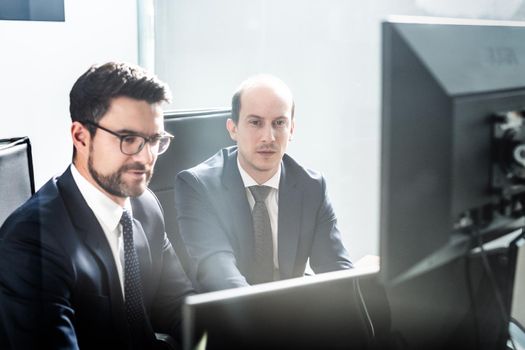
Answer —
91 95
236 99
236 105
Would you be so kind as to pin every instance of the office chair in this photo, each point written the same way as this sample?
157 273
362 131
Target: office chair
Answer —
17 182
199 134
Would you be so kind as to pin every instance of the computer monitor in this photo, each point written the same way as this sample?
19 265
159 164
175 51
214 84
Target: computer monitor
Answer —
452 177
453 138
342 309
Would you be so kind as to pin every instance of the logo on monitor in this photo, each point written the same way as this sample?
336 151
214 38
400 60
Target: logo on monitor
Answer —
502 56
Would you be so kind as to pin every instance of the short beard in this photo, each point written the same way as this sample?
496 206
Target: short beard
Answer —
113 183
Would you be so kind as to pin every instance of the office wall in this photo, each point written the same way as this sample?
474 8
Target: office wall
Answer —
40 61
327 51
329 54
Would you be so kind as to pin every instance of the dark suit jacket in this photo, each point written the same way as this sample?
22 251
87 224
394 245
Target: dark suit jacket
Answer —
59 286
215 223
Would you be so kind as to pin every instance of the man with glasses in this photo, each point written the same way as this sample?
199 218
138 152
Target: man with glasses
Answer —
85 263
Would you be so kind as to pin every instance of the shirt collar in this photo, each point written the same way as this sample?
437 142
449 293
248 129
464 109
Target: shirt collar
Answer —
107 212
248 181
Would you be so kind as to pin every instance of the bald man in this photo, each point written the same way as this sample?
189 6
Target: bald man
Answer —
216 199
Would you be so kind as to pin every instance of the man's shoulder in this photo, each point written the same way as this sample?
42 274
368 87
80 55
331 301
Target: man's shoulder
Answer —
45 199
147 199
147 207
212 168
298 173
44 209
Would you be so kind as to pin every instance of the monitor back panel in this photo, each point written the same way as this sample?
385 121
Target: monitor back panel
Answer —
324 315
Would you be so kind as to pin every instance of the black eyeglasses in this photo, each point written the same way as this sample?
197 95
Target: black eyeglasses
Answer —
131 144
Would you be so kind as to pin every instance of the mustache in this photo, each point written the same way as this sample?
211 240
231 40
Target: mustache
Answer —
134 166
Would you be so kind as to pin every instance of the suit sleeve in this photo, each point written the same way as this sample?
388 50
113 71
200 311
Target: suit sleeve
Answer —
328 251
174 286
214 266
35 291
165 281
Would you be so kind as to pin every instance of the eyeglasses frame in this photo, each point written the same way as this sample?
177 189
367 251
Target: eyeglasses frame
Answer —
123 136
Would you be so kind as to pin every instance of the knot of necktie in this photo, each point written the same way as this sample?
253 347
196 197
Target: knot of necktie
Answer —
126 222
260 192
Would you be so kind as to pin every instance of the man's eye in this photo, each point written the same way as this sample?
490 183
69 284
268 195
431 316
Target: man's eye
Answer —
280 123
155 139
131 139
255 122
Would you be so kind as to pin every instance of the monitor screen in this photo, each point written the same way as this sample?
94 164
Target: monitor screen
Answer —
453 139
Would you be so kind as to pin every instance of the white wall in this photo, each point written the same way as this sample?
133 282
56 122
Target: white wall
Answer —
39 63
329 54
327 51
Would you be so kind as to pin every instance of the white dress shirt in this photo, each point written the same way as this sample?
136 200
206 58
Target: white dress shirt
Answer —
108 214
272 203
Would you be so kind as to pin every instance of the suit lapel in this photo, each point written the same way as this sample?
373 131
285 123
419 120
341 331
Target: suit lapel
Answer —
93 236
238 208
289 220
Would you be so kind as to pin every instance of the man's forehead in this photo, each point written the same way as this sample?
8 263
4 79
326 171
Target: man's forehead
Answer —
268 87
142 118
265 95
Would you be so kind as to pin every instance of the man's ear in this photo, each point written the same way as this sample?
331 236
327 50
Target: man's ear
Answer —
292 128
81 137
232 129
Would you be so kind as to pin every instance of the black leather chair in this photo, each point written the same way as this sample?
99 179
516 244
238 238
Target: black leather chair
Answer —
16 174
199 134
16 182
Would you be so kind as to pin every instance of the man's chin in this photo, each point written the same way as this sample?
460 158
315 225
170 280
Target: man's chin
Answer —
135 188
135 191
266 167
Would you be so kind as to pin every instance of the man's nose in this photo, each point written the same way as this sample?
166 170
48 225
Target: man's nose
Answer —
268 133
146 154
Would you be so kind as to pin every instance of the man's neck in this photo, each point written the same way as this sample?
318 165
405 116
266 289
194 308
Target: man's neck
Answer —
260 178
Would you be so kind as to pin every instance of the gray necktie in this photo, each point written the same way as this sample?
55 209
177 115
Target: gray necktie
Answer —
262 228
